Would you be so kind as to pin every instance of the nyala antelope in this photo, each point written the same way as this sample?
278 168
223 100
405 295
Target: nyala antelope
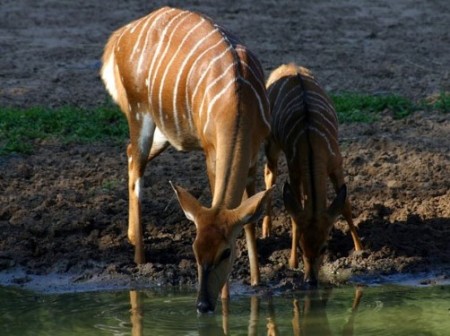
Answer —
304 126
181 79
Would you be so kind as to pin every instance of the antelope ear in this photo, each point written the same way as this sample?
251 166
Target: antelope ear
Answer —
188 203
291 203
336 207
252 208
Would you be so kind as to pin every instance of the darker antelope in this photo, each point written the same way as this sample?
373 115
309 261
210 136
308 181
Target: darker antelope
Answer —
180 79
305 127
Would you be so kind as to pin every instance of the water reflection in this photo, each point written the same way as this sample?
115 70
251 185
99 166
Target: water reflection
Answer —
136 313
384 310
309 316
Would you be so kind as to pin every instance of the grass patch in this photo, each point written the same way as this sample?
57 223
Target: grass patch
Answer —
353 107
20 128
440 102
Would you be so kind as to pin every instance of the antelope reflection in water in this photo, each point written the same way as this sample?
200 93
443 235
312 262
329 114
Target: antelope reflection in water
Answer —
309 316
136 313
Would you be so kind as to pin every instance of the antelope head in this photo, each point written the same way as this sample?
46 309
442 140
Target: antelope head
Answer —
215 242
314 230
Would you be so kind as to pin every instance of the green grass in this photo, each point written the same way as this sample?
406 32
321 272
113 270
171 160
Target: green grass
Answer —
22 129
354 107
441 102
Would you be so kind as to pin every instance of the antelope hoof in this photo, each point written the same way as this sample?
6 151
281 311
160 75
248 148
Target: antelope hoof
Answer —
311 283
293 263
359 247
204 307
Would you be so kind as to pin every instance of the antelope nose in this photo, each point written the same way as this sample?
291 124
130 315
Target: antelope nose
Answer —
204 307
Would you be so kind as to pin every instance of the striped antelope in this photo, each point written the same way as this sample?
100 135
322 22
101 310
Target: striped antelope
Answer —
182 80
305 127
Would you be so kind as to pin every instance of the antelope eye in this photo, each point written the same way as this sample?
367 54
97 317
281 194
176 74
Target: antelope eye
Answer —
225 254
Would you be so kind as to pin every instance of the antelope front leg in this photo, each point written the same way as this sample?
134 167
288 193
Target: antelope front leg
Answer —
135 232
293 260
252 253
250 235
270 177
141 140
338 180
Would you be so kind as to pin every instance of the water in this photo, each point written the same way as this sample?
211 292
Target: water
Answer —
377 310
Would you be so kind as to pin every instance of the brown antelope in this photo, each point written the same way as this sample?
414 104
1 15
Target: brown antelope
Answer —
180 79
305 127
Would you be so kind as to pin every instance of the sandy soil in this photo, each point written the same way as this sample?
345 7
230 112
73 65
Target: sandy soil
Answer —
63 210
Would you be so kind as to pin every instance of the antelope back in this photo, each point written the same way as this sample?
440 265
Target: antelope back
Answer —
187 73
300 110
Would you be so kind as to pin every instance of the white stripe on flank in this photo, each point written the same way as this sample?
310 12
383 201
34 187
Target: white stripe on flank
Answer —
291 110
143 55
261 108
327 106
180 73
291 127
294 145
288 115
156 56
213 101
320 98
325 121
188 80
287 96
318 102
166 44
166 71
258 79
327 140
125 29
280 90
135 25
137 42
157 12
205 72
210 85
253 59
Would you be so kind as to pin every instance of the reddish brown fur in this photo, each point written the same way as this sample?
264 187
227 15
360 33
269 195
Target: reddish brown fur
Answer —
304 127
182 80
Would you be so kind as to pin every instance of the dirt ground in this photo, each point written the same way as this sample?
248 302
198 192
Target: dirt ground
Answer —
63 209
